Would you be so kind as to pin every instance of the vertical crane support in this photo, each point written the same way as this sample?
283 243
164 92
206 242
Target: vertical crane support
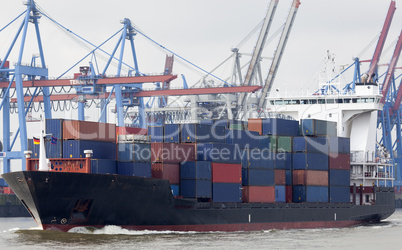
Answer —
166 85
390 116
257 53
128 33
372 73
390 74
31 15
278 54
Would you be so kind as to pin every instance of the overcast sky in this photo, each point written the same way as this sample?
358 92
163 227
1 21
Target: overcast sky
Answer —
204 32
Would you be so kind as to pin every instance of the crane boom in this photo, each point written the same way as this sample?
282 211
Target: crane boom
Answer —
260 42
257 52
390 74
278 54
381 41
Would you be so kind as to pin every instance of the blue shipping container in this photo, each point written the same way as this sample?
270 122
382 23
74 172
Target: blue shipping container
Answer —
135 152
172 133
264 142
202 133
311 144
140 169
207 121
288 161
256 158
315 194
55 128
280 193
52 150
339 177
310 161
103 166
217 152
280 160
258 177
289 178
3 183
196 170
156 133
339 194
282 127
101 150
315 127
196 188
243 138
226 192
175 190
339 145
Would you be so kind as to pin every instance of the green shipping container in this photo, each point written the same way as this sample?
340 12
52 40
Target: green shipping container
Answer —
284 144
274 143
236 126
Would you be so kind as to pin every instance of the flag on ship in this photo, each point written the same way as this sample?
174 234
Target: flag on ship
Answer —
53 140
36 141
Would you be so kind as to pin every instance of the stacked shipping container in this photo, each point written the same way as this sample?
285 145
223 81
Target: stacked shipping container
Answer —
219 161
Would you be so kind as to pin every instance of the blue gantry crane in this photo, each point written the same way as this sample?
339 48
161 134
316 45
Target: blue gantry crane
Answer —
32 84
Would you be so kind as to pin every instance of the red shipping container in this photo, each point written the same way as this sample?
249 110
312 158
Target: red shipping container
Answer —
339 161
258 194
76 75
85 130
310 178
280 177
7 190
172 152
255 124
289 194
226 173
165 171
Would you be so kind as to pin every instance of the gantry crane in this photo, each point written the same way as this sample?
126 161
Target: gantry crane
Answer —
88 85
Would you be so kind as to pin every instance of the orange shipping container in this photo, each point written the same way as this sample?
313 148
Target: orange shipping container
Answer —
85 130
310 178
280 177
255 124
258 194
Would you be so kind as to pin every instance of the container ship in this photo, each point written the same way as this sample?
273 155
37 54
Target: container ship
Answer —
237 158
216 175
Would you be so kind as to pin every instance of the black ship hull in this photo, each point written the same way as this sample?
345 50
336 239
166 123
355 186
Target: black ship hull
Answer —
61 201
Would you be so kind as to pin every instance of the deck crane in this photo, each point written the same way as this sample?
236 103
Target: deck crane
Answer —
278 55
372 74
256 55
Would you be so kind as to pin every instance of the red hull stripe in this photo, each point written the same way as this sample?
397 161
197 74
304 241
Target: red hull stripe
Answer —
223 227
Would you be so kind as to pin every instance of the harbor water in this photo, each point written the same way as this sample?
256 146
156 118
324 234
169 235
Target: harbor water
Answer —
23 233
